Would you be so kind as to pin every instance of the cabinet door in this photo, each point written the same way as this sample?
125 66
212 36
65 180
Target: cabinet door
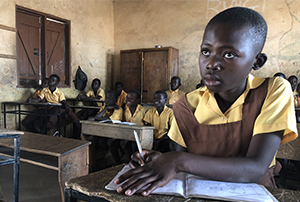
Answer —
155 74
131 66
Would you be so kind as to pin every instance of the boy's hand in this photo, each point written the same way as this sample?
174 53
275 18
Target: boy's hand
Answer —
156 173
149 155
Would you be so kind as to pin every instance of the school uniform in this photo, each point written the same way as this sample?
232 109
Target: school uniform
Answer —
265 106
173 96
100 92
67 116
122 98
117 114
137 117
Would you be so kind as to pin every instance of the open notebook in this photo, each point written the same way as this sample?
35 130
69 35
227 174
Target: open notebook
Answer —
188 185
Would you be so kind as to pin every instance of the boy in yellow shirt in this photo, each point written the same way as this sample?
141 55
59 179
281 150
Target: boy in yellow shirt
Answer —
174 93
230 129
161 118
121 94
54 95
94 94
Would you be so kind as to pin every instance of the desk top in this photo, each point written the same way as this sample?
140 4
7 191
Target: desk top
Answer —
27 103
117 125
4 131
45 144
94 183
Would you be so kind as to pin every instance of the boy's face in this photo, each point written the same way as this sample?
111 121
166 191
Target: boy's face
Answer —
132 100
119 88
110 99
53 82
96 85
159 100
175 84
293 82
226 58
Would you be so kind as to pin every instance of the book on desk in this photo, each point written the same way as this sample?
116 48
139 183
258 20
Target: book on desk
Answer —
188 185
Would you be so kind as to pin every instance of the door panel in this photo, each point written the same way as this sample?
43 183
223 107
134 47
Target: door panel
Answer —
155 74
131 65
55 52
29 49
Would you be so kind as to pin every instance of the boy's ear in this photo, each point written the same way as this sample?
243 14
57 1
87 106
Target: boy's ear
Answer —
261 59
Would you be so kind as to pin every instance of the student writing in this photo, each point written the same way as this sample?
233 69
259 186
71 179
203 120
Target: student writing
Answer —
240 120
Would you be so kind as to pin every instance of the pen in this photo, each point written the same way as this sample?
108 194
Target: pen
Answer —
138 144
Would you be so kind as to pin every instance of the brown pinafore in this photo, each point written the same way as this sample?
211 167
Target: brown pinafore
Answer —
223 140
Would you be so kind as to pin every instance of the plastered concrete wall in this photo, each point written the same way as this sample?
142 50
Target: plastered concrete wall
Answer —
180 23
92 42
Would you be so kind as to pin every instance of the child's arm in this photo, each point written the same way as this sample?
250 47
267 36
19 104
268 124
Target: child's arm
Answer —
161 170
32 100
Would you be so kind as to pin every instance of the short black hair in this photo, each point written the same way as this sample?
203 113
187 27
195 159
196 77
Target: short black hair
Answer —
162 92
55 75
137 93
280 74
241 17
96 79
119 83
176 77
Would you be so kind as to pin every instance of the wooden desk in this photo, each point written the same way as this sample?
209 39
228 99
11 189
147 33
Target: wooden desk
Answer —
4 160
91 188
117 131
21 111
70 156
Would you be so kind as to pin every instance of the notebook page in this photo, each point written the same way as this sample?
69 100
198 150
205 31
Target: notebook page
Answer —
174 187
228 191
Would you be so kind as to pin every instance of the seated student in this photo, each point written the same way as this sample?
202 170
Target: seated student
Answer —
232 127
160 117
280 74
293 81
29 121
121 99
54 95
110 111
174 93
94 94
134 112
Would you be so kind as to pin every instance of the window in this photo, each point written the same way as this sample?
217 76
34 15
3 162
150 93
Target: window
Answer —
43 48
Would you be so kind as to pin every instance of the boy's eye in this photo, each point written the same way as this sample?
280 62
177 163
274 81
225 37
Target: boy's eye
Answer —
205 52
229 55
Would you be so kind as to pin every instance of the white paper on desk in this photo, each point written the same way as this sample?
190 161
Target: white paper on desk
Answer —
188 185
127 123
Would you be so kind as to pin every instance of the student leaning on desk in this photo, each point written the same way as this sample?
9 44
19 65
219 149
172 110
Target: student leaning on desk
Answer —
231 128
54 95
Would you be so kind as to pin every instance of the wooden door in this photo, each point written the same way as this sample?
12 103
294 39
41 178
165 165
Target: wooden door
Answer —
131 66
155 74
55 50
29 49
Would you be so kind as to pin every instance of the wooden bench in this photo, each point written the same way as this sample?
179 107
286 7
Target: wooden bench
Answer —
67 156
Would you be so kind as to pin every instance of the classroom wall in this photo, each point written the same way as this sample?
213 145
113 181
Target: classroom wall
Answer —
92 42
180 23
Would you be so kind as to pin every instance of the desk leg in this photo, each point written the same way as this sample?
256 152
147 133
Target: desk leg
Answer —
92 152
72 165
146 138
16 168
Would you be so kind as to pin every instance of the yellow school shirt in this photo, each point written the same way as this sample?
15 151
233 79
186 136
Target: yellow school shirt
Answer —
116 115
277 112
56 97
137 117
100 92
161 122
297 101
173 96
122 98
